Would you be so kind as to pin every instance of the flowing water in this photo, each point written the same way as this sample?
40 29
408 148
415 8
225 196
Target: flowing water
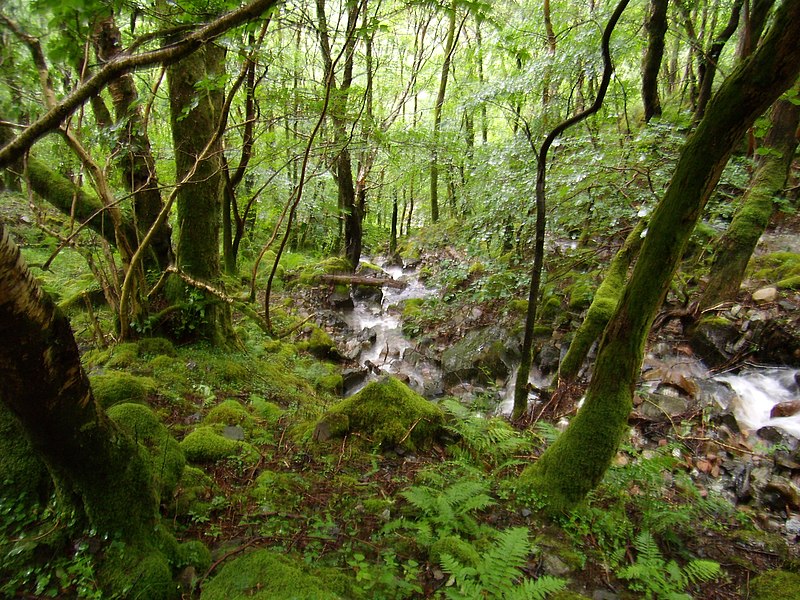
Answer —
391 351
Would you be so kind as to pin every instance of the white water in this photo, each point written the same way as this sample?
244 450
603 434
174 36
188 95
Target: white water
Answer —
758 391
392 351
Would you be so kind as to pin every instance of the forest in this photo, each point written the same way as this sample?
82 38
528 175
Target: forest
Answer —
380 299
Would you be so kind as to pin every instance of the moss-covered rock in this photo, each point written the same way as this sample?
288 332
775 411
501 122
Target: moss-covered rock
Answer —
116 387
269 411
231 412
483 355
193 492
386 412
193 553
204 444
165 456
122 355
320 344
310 274
130 572
267 575
775 266
775 585
156 346
581 293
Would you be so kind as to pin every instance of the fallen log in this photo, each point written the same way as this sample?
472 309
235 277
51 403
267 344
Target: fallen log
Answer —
363 280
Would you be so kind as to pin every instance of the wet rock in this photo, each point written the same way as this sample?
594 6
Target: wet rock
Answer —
777 436
233 432
353 377
604 595
548 358
660 407
785 409
483 355
710 339
341 300
792 528
370 293
779 494
777 344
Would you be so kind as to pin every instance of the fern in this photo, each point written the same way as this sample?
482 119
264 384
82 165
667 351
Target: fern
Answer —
499 572
663 580
450 510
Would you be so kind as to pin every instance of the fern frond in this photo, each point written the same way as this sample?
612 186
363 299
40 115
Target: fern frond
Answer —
501 564
699 571
535 589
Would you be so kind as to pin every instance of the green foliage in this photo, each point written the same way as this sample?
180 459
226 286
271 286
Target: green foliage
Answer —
482 440
115 387
775 585
662 580
498 573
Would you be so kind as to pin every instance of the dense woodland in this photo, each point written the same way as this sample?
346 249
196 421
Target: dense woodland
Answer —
597 201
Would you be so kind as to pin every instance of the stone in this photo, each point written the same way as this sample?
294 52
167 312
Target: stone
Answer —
767 294
779 493
554 566
792 527
482 355
660 407
785 409
776 435
233 432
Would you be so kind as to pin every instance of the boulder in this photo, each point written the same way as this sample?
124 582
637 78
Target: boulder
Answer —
711 339
483 355
785 409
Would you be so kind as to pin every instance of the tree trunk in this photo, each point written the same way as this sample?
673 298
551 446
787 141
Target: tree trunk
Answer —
134 156
97 470
194 116
603 306
576 462
651 64
752 217
449 47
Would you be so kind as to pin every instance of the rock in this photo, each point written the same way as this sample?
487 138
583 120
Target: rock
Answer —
767 294
779 494
233 432
548 358
604 595
785 409
353 377
554 566
341 300
792 527
660 407
777 344
482 355
710 339
776 435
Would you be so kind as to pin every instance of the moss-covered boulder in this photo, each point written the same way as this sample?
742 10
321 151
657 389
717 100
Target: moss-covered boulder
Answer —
165 456
310 274
386 412
320 344
267 575
193 492
775 585
231 412
116 387
581 293
132 572
205 444
483 355
156 346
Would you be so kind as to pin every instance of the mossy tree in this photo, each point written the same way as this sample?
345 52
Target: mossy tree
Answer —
98 471
196 97
577 460
734 248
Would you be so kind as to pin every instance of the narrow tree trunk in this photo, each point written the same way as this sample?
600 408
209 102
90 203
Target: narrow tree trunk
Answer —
651 64
449 47
576 462
736 246
602 307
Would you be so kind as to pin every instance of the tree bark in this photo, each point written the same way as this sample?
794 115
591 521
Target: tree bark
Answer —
576 462
651 64
194 114
736 246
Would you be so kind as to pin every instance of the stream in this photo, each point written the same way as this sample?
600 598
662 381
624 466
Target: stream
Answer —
377 342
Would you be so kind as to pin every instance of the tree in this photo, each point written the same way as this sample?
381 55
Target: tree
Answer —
651 63
99 472
736 245
577 460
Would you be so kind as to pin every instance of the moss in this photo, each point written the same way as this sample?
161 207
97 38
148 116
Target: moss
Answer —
790 283
581 293
775 585
464 552
193 553
156 346
387 412
22 474
122 355
279 384
267 575
115 387
269 411
171 374
226 370
550 309
206 445
310 274
165 456
137 574
193 491
231 412
283 491
319 344
776 266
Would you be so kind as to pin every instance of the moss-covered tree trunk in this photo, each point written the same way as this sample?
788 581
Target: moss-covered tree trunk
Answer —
602 307
735 247
97 469
656 26
577 460
196 98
